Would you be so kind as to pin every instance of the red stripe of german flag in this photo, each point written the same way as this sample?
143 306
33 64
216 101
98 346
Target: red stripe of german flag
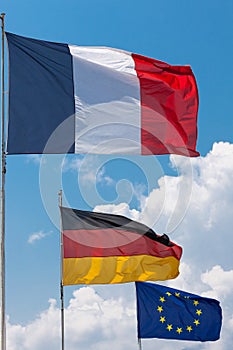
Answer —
103 251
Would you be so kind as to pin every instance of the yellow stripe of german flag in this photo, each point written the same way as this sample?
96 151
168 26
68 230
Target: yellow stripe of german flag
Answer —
118 269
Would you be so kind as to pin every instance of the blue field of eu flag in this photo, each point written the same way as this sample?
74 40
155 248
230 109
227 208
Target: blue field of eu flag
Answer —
164 312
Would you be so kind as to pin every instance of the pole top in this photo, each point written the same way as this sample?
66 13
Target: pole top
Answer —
2 19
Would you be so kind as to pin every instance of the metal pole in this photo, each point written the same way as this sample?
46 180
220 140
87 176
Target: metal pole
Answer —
3 326
61 284
139 343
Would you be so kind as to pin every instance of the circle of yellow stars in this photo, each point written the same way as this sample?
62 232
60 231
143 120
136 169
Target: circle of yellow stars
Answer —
188 328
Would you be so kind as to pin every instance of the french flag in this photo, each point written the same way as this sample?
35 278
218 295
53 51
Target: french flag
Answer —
100 100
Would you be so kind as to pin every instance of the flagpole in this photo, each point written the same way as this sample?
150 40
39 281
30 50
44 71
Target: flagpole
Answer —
61 284
139 343
3 326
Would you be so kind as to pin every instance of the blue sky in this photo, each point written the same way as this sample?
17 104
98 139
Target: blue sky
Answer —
192 201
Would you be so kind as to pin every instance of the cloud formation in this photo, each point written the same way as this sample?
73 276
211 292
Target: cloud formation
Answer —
196 209
91 323
36 236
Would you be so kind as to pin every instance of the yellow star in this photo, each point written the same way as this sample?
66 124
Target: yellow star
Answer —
162 299
195 302
196 322
169 327
198 312
169 294
162 319
179 330
177 294
159 308
189 328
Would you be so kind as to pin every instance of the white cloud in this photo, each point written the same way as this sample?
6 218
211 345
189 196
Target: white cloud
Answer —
36 236
90 322
89 169
36 159
120 209
220 281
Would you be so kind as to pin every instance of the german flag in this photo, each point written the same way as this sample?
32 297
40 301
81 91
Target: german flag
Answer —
101 248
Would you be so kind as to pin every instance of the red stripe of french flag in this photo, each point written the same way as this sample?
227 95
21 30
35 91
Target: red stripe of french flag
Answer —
169 106
130 104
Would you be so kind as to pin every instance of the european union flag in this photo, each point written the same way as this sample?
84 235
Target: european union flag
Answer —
169 313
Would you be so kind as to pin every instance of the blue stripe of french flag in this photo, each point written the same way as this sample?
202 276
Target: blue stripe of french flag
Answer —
75 99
